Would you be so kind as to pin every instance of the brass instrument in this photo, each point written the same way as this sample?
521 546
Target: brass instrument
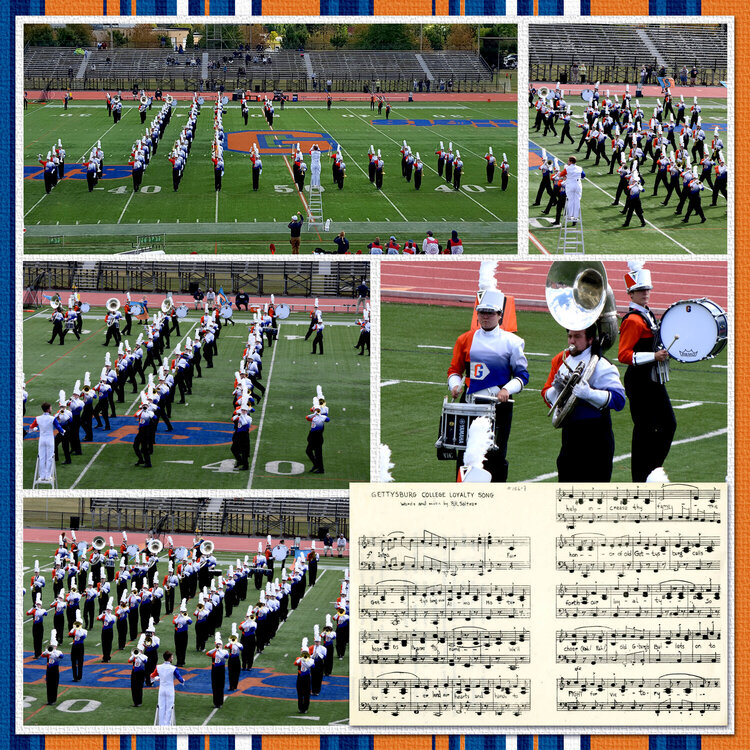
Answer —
144 99
578 296
154 546
207 548
113 304
167 305
98 543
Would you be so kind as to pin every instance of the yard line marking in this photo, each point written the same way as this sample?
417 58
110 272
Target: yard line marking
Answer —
612 196
432 169
88 466
689 405
80 343
262 416
538 244
434 346
35 205
126 207
210 716
624 456
382 192
418 382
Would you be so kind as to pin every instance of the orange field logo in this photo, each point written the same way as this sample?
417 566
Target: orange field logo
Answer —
279 142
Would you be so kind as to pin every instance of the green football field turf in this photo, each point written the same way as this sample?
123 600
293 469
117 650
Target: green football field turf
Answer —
105 689
198 453
602 222
414 366
238 220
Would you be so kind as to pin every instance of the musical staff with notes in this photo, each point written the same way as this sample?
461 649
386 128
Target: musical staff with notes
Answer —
590 553
463 646
633 646
669 503
582 607
433 552
398 601
398 693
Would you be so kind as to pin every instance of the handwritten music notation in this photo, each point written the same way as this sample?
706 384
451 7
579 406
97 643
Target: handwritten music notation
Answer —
402 693
671 503
589 553
665 693
443 603
666 599
444 554
465 647
631 646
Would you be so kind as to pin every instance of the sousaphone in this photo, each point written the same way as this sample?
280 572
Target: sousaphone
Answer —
578 296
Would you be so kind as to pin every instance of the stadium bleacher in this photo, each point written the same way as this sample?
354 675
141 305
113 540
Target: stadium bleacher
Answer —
122 68
616 53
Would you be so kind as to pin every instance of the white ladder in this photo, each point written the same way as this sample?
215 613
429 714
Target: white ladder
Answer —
570 240
52 481
315 215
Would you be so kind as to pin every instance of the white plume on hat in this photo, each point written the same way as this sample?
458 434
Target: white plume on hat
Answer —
479 441
385 465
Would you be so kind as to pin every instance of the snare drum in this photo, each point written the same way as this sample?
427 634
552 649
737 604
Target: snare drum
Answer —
454 426
701 326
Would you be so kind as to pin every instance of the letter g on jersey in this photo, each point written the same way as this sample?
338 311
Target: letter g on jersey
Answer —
479 371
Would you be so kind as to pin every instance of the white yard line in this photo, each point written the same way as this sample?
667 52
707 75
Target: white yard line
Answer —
588 179
432 169
382 192
262 414
127 412
126 206
695 439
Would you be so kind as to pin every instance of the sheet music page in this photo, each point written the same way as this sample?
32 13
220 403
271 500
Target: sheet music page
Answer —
539 605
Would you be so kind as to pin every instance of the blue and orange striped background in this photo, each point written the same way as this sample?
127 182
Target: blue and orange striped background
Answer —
367 7
362 742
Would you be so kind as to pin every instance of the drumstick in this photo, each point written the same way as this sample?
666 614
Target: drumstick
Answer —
676 336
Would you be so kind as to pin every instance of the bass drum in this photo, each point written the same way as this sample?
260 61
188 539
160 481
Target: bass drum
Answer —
701 326
181 553
226 311
133 551
136 308
85 307
282 311
181 311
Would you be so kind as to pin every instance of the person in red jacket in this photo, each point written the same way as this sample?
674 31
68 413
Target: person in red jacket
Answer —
654 422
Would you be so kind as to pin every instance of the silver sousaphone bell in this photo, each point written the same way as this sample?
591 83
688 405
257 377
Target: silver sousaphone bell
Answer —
578 296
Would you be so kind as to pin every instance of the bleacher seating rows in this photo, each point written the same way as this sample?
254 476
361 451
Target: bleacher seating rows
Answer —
152 64
676 43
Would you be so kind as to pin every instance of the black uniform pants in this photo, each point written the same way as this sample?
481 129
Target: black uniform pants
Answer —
136 686
587 450
314 449
318 342
303 691
218 674
76 661
654 422
53 681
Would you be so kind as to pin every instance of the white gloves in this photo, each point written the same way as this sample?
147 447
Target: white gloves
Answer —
596 398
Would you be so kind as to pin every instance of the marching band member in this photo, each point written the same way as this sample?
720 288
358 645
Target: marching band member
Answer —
495 365
38 612
588 443
219 656
52 675
314 448
654 422
318 653
234 648
108 622
304 666
166 673
248 627
78 634
46 424
138 659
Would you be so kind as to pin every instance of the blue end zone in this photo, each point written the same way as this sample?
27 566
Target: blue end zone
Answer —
428 123
78 172
124 430
257 683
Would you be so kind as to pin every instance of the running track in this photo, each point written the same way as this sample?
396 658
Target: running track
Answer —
455 282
